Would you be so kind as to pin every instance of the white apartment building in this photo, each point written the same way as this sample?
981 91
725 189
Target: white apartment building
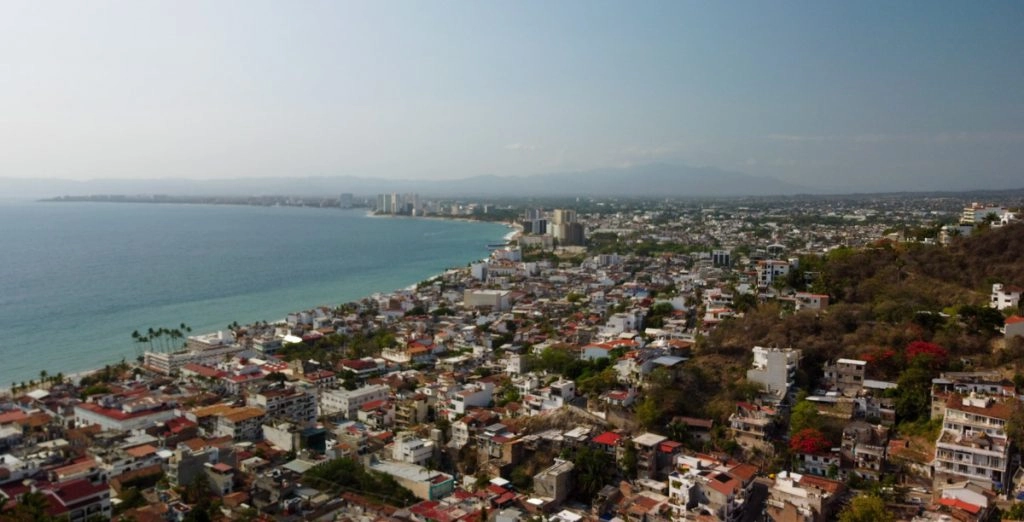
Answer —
977 213
120 418
348 402
1004 297
973 442
495 299
412 449
809 301
171 363
774 369
806 498
478 395
552 397
769 271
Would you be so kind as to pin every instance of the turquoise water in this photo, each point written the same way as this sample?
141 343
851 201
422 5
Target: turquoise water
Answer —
77 278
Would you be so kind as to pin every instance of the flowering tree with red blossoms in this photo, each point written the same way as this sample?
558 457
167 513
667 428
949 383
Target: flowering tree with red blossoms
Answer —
933 354
809 440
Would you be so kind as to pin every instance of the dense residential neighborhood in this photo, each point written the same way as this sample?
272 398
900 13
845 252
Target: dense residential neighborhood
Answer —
798 360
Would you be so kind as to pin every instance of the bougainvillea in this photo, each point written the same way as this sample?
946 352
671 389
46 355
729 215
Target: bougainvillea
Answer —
879 355
809 440
935 354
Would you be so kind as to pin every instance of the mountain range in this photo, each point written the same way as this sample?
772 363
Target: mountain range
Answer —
657 180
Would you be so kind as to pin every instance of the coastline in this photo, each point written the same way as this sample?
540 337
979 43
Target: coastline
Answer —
76 375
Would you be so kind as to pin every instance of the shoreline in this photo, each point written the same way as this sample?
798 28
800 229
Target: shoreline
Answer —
76 376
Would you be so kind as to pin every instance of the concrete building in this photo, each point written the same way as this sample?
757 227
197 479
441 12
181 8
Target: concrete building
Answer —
809 301
704 486
78 501
113 414
424 483
769 271
1004 297
348 402
475 395
803 498
1014 327
188 462
293 404
243 424
207 355
721 258
411 411
411 449
774 369
555 482
973 444
647 454
753 425
497 300
289 436
978 213
845 375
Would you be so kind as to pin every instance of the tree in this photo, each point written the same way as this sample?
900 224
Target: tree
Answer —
912 394
521 478
31 508
647 413
866 508
679 431
804 416
276 377
1014 512
629 460
926 354
592 467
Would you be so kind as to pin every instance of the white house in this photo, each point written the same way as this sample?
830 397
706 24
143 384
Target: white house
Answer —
1004 297
769 271
348 402
412 449
774 369
811 301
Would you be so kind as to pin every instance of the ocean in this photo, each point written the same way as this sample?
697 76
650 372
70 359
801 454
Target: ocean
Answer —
77 278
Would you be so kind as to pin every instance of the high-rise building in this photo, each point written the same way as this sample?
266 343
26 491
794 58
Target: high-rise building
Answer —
345 201
721 258
560 226
562 216
574 234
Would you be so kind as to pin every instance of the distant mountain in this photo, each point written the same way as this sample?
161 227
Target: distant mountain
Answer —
660 180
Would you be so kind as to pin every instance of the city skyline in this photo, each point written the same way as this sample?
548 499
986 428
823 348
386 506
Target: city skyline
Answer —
847 97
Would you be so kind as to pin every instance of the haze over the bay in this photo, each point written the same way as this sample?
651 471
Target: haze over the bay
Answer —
808 96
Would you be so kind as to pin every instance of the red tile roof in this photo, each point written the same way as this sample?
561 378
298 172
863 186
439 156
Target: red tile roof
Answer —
117 414
960 504
823 484
608 438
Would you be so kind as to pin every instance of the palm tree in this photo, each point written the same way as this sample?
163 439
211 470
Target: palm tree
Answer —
32 506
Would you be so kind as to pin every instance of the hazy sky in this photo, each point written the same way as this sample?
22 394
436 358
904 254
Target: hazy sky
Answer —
850 95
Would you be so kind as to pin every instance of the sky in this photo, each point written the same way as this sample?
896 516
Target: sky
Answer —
848 96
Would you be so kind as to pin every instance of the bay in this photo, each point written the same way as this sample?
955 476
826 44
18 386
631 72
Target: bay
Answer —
77 278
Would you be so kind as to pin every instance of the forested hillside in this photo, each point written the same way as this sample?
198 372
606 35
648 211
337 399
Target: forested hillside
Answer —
896 305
